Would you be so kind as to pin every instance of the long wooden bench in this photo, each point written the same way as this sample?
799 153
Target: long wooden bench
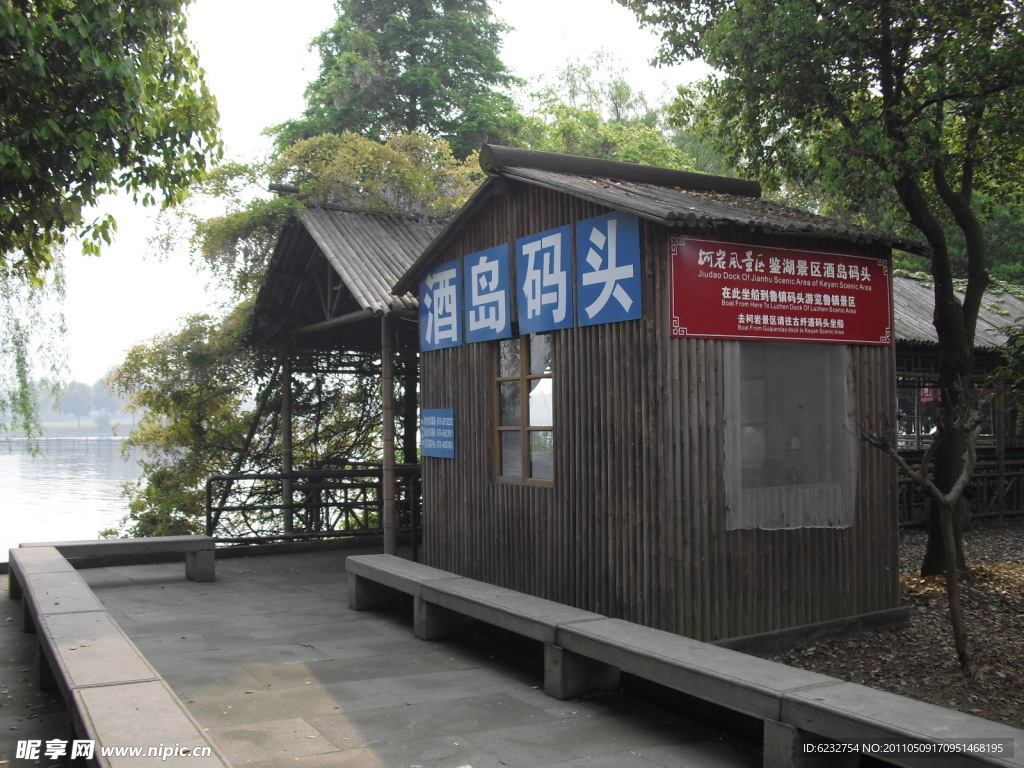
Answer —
801 712
200 564
114 696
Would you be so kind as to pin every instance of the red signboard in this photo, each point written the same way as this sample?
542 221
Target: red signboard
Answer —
723 290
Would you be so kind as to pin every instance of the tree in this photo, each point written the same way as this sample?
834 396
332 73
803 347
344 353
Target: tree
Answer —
191 389
408 66
96 96
924 99
590 109
77 400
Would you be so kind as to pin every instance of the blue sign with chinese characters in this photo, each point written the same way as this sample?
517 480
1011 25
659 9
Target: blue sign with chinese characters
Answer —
544 281
440 307
608 269
488 295
437 433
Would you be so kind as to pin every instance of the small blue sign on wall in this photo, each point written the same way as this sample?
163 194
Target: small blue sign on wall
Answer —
437 432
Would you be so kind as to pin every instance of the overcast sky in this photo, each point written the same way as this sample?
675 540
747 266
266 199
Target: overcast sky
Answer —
258 64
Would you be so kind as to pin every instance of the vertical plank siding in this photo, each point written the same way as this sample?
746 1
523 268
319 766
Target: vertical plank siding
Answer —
634 524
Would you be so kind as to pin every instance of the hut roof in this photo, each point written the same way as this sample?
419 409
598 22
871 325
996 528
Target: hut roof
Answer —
672 198
367 251
914 301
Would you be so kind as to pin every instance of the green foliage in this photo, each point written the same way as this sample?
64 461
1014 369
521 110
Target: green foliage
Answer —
915 103
94 96
190 390
408 66
592 110
410 173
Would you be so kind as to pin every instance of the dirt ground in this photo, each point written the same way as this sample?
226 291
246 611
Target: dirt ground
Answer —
919 660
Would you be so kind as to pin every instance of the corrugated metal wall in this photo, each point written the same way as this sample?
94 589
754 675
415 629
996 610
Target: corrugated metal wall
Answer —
634 525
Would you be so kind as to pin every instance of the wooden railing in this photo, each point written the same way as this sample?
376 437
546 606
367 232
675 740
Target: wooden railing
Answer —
997 488
251 508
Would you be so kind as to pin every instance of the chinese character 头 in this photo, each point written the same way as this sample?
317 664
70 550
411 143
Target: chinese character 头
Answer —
608 261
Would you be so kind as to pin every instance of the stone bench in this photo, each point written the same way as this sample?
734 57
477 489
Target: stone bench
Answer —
114 696
47 586
445 605
146 714
585 652
200 564
79 650
855 714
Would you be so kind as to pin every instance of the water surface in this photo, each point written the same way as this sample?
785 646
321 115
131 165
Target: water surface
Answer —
73 491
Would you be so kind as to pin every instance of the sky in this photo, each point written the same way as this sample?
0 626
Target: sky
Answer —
257 62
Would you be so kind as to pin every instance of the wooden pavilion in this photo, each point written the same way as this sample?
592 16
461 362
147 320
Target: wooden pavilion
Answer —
640 395
326 305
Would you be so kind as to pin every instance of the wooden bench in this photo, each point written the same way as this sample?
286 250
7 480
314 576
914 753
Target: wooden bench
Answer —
114 696
584 652
200 564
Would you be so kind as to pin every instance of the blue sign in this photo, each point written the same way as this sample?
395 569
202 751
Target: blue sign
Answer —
608 269
437 433
440 307
488 298
544 281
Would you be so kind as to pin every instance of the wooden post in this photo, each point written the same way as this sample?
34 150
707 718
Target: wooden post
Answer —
286 443
387 387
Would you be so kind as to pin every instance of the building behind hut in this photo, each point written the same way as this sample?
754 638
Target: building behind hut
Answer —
640 396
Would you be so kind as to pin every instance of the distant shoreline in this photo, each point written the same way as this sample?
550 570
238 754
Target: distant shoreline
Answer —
71 428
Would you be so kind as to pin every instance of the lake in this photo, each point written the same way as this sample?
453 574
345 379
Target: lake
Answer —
71 492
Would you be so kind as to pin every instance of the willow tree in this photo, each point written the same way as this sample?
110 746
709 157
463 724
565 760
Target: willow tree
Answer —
919 102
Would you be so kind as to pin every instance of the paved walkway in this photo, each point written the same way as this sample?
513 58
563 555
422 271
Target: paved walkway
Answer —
270 659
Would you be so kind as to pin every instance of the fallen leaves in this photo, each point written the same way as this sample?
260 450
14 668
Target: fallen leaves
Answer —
919 660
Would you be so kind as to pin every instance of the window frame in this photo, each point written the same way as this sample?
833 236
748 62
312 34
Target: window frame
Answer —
524 377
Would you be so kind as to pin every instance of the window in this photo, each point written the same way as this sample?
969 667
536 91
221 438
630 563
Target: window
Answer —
524 406
790 441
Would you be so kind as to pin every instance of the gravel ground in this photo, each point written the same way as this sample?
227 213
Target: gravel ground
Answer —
919 660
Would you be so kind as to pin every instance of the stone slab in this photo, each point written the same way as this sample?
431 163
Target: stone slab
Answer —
144 714
395 572
730 679
36 560
49 594
526 615
85 649
142 544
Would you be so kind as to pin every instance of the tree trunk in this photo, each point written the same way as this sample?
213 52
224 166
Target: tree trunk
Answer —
949 463
963 646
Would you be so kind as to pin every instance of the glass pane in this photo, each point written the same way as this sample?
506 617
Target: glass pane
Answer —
511 410
508 358
540 355
542 460
540 403
511 454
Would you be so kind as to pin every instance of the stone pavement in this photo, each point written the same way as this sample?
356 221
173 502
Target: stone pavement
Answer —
272 662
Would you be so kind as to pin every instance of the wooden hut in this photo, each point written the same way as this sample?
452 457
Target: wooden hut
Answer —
640 393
